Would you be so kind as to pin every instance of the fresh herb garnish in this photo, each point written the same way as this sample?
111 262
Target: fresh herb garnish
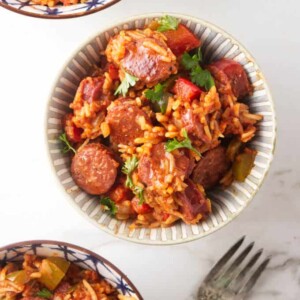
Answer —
127 82
167 23
44 293
186 143
67 145
199 76
128 167
158 97
139 192
109 205
202 78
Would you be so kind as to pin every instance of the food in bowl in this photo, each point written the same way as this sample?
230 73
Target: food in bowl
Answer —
52 278
52 3
36 270
153 127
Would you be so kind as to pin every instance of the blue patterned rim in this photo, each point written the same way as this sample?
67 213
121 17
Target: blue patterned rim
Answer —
27 8
75 254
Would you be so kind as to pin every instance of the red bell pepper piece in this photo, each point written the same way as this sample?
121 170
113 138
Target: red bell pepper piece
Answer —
73 133
181 40
113 72
186 90
140 208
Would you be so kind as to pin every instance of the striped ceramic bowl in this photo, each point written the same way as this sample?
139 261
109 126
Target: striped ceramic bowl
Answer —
226 204
82 257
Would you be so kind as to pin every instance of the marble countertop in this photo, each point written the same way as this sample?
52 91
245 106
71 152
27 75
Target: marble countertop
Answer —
32 53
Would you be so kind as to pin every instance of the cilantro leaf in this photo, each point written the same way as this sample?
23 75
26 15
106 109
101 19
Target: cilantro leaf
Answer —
158 97
128 168
202 78
167 23
189 62
186 143
199 76
44 293
139 192
127 82
109 205
67 146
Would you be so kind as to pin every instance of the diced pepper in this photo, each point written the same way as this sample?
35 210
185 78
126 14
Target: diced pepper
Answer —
243 164
186 90
19 277
73 133
53 270
140 208
113 72
233 149
181 40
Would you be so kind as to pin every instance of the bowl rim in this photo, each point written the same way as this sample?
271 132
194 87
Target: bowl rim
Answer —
269 96
77 248
57 17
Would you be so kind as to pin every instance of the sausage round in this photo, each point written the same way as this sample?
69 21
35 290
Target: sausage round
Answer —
151 167
123 121
231 71
192 201
94 169
145 63
211 168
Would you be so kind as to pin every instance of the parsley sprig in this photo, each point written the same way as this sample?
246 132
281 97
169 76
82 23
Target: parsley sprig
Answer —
67 146
167 23
198 75
158 97
44 293
129 166
109 205
127 82
186 143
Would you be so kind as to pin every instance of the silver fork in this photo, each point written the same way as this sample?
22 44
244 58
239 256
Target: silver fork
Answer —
231 281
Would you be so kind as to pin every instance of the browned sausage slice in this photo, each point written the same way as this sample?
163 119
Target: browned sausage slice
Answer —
124 120
231 71
193 202
146 64
94 169
143 54
211 168
159 163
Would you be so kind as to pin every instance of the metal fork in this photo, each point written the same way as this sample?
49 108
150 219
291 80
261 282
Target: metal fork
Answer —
231 281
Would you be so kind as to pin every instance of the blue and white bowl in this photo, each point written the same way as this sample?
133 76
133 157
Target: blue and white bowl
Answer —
75 254
226 203
26 7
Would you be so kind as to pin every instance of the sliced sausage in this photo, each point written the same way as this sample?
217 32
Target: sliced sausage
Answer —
94 169
211 168
159 163
89 106
193 126
146 64
143 55
193 202
228 71
124 120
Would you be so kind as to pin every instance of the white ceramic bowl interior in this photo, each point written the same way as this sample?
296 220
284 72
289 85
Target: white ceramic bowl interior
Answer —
226 204
75 254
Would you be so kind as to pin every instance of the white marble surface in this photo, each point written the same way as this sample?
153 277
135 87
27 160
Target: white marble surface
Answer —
33 51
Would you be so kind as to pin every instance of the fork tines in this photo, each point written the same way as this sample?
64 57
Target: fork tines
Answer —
234 277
